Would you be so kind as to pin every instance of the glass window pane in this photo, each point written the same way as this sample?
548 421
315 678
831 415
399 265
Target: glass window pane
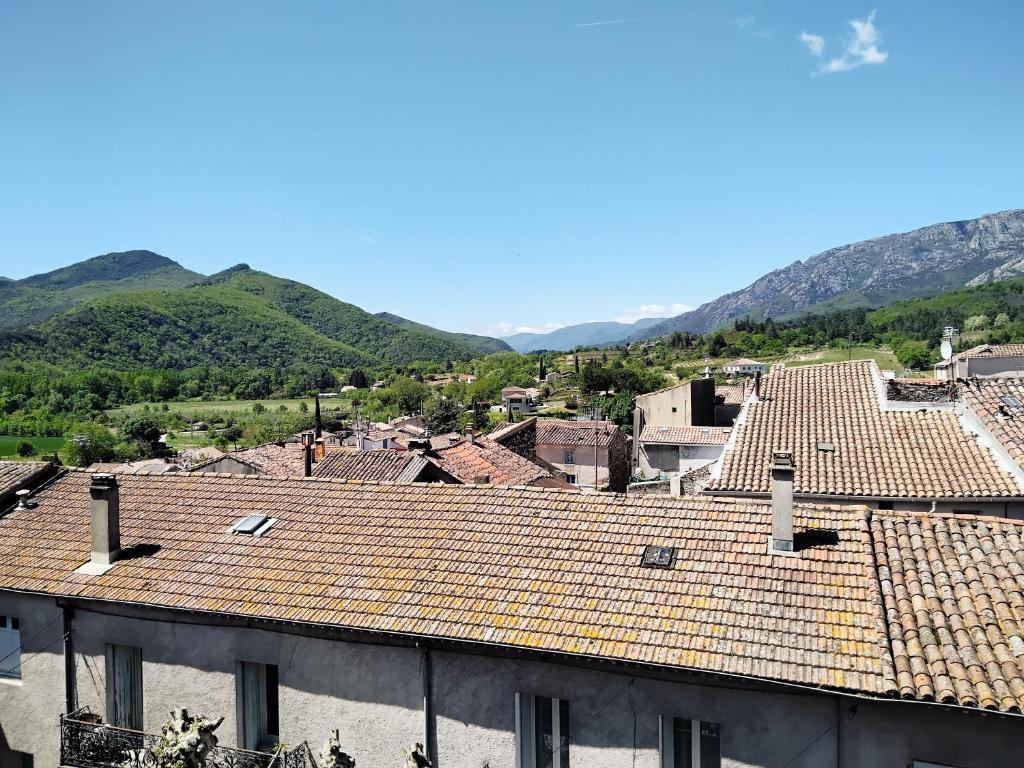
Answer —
542 729
682 743
563 731
273 729
710 747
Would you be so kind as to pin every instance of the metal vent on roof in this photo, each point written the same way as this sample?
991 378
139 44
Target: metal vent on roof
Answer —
658 557
253 525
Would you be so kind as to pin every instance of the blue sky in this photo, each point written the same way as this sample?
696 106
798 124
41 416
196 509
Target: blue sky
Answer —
492 166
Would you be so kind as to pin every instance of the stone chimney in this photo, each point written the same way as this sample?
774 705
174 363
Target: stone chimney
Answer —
470 434
757 386
782 469
105 513
319 449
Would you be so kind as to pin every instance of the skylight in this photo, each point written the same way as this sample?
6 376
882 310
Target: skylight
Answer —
1011 402
253 525
658 557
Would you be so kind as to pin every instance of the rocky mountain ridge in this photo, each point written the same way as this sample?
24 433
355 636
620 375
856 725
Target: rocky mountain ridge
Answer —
874 272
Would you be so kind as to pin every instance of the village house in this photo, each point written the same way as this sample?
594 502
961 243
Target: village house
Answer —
744 367
517 400
679 450
473 458
983 361
381 465
503 626
852 444
591 454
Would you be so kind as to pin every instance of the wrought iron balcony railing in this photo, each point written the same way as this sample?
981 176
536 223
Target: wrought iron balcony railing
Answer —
85 742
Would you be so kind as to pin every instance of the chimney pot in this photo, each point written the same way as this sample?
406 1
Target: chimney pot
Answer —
104 510
757 386
782 468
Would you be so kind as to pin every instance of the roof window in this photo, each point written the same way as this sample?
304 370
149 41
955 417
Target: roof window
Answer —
253 525
658 557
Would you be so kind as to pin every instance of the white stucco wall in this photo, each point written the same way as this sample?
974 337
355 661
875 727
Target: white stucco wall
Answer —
30 707
373 695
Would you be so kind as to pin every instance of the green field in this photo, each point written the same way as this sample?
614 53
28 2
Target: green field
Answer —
201 408
884 357
47 445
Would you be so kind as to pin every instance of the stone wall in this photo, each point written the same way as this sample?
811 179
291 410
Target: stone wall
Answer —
922 391
618 462
522 439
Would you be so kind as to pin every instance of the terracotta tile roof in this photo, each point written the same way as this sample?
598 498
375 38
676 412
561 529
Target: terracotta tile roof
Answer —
999 405
685 435
992 350
268 459
562 432
15 475
472 462
399 466
953 592
525 568
844 444
731 394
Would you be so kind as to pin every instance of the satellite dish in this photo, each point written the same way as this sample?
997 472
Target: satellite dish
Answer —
946 349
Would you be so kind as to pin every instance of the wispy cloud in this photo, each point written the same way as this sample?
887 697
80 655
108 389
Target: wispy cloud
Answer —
815 43
632 314
862 48
744 21
609 21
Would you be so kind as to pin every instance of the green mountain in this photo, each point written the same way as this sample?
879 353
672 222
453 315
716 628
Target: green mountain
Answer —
98 312
179 328
35 298
482 345
348 323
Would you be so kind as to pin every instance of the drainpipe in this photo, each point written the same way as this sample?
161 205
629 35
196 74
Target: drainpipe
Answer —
69 662
429 735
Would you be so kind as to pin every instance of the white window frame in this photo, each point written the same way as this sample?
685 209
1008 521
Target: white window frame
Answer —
10 646
526 747
666 740
133 655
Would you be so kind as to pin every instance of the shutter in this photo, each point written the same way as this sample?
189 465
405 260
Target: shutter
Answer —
126 674
10 648
253 725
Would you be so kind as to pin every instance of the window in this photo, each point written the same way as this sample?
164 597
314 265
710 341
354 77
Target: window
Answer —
27 761
124 686
570 479
689 744
673 409
10 647
542 732
570 457
256 691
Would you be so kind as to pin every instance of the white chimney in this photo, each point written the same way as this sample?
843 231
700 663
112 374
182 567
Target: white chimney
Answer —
782 469
470 434
105 513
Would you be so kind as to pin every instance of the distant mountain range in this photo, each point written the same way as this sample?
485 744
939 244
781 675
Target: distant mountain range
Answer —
924 262
138 309
582 335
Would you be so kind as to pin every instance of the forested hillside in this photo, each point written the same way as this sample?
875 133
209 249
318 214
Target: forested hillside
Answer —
106 312
35 298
